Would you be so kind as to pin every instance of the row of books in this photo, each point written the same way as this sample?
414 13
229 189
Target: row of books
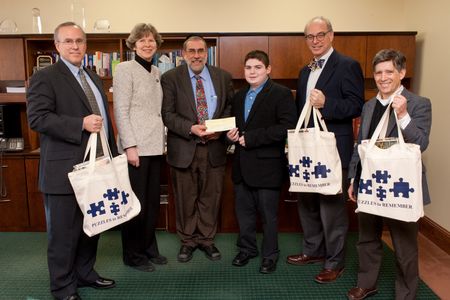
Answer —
104 63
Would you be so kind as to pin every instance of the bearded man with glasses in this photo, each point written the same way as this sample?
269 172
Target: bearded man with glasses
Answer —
334 84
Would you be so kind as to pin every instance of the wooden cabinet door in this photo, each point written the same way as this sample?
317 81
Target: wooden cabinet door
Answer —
405 43
35 197
12 66
232 51
13 198
287 54
353 46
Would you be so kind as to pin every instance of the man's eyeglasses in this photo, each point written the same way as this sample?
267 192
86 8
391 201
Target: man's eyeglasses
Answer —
200 51
70 42
319 37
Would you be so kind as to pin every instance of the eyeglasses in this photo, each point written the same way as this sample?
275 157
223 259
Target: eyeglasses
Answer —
200 51
319 37
70 42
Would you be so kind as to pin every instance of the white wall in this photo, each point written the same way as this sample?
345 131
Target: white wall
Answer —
430 18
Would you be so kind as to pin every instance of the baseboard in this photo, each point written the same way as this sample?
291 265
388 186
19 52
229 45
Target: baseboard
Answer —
435 233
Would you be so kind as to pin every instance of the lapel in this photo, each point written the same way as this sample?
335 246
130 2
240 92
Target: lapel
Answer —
68 76
328 70
186 87
303 84
259 99
215 78
370 107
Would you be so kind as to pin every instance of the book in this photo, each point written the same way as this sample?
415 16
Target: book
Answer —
15 89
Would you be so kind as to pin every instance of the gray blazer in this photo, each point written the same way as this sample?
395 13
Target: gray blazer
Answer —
417 131
137 108
179 113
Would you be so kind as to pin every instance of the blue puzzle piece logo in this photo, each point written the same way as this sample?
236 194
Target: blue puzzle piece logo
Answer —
98 208
111 194
125 196
306 175
402 188
365 186
320 171
381 177
306 161
294 170
115 208
381 193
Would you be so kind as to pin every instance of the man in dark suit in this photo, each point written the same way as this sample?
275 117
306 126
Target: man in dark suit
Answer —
59 109
334 84
194 93
264 112
414 115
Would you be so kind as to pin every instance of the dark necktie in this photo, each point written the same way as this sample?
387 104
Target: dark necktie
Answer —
316 64
89 93
202 106
93 103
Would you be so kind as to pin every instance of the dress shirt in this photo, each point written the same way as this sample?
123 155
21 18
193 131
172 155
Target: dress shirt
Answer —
98 97
250 99
314 75
210 93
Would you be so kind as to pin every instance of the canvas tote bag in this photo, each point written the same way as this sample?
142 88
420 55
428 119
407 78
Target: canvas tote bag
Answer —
314 162
391 178
102 188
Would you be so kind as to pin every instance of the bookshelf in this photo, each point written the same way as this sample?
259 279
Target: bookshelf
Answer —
287 52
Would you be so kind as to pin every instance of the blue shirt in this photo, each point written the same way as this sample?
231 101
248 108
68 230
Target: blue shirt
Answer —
98 97
210 93
250 99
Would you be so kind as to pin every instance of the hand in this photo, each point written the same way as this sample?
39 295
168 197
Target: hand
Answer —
132 156
399 105
317 98
92 123
212 136
351 194
233 134
199 130
242 141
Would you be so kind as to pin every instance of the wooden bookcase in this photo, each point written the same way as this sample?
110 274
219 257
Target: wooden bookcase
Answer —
287 52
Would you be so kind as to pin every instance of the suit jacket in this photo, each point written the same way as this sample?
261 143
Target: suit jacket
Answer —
137 108
56 107
262 163
179 113
342 83
417 131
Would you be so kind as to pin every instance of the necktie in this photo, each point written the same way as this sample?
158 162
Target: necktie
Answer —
316 64
202 106
89 93
93 103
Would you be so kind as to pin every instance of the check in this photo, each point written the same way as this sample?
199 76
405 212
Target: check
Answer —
223 124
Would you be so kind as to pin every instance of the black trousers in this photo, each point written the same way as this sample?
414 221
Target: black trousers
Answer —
248 203
370 253
71 254
138 235
325 224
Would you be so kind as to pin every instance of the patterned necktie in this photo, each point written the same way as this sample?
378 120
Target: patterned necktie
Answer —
316 64
89 93
93 103
202 106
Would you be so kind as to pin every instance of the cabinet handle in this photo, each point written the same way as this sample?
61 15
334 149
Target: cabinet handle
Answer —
5 200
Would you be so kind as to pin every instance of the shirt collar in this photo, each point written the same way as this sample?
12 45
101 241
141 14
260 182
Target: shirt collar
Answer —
258 89
385 102
73 69
326 56
203 74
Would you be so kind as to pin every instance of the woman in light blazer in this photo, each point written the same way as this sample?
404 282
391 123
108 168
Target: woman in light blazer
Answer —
137 110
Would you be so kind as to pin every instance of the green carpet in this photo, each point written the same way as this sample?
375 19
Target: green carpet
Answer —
24 275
